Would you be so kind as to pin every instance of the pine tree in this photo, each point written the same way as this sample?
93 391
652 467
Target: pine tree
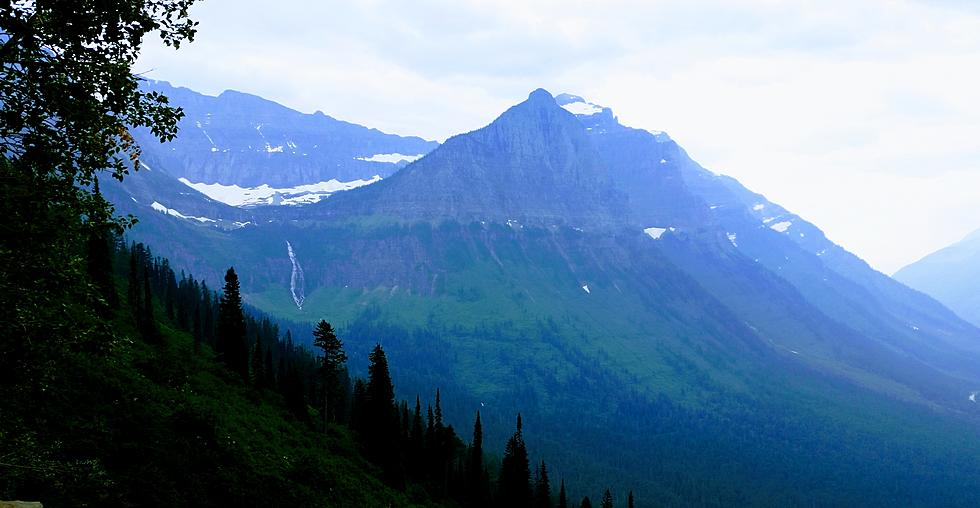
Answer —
380 427
514 483
586 503
417 440
230 340
562 498
331 362
629 500
477 486
542 488
147 322
269 369
257 365
607 500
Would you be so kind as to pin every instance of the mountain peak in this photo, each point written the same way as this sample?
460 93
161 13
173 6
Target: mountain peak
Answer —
535 164
540 95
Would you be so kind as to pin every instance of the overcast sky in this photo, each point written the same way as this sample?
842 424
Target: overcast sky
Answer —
861 116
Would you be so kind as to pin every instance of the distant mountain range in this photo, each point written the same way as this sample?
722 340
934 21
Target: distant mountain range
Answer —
245 148
651 319
950 275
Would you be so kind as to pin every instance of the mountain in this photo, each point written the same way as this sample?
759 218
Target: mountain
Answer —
651 320
950 275
237 139
534 165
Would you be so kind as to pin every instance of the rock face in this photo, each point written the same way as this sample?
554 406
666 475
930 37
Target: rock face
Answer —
532 165
241 139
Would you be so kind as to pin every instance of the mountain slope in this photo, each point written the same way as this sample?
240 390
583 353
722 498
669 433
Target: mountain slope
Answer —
951 275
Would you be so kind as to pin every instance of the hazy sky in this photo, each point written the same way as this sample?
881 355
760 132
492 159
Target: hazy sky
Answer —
861 116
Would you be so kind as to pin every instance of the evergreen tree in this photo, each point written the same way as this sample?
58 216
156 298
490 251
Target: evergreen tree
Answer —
170 294
331 362
586 503
380 425
477 485
416 437
542 488
562 498
230 340
607 500
257 364
629 500
514 483
357 407
269 369
147 322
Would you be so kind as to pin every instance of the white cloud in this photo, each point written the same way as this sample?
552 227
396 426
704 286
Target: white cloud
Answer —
860 116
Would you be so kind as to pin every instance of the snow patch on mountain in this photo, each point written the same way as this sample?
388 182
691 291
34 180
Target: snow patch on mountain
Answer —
781 226
582 108
174 213
391 158
265 195
656 233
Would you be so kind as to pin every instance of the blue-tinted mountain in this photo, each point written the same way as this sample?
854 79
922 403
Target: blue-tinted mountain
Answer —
238 138
950 275
533 165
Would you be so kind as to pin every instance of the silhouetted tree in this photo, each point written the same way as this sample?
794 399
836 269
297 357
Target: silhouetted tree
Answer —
379 425
542 488
514 483
477 483
562 498
230 340
607 500
331 362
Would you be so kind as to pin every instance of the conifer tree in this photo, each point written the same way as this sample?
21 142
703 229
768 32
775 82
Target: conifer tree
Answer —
230 340
586 502
415 451
562 498
331 362
477 484
257 365
514 483
269 369
147 322
542 488
629 500
607 500
381 418
197 330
